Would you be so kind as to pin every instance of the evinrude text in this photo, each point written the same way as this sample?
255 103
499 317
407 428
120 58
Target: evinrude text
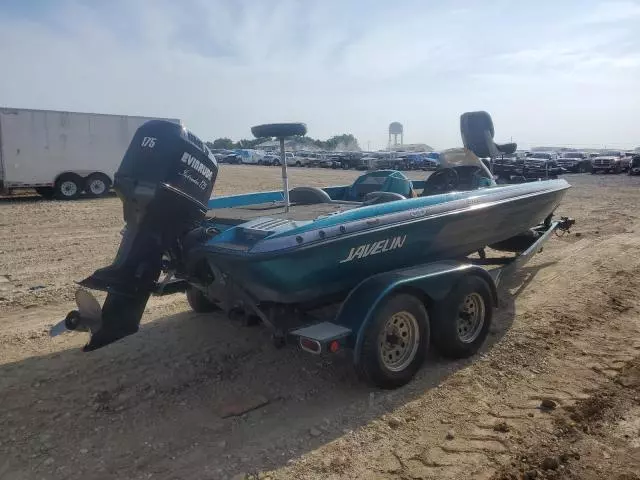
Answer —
374 248
197 165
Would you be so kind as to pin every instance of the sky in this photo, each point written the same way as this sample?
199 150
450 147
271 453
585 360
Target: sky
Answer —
549 72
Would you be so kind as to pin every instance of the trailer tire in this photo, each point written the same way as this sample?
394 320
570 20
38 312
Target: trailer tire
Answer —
384 360
199 302
97 185
46 192
461 321
68 186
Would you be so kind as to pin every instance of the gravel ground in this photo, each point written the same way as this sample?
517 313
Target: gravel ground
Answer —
555 393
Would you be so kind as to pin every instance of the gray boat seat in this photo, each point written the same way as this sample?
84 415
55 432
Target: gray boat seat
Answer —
308 196
379 181
477 133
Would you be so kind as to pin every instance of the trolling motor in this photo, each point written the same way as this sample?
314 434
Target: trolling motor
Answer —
165 181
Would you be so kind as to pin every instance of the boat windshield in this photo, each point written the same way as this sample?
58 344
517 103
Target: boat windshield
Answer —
461 157
471 170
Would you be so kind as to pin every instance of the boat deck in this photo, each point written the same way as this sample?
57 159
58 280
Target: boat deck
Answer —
245 213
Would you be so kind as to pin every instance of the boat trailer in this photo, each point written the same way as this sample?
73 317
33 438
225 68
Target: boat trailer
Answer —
454 293
389 319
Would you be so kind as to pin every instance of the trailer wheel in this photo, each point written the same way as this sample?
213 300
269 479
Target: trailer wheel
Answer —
199 302
68 186
97 185
461 321
395 343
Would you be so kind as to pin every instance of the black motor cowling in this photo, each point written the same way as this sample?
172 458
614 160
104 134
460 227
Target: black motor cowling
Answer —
165 181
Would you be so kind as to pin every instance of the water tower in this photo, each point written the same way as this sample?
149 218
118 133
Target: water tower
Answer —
395 130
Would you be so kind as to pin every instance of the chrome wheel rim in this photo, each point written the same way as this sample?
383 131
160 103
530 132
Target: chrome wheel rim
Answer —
97 187
68 188
399 341
470 317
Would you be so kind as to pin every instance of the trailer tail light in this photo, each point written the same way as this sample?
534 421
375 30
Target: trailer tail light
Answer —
309 345
334 346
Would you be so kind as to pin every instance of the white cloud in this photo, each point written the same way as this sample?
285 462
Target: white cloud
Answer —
341 67
611 12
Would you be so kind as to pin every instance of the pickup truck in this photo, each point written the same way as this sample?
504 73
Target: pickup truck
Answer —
612 161
575 162
274 159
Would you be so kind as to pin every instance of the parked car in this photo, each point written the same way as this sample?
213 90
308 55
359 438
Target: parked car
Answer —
516 168
320 161
337 160
270 159
349 160
506 165
543 155
250 156
430 160
367 163
576 162
306 159
415 161
612 161
230 158
634 165
292 159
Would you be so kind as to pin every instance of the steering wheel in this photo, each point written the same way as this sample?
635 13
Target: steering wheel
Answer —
475 176
441 181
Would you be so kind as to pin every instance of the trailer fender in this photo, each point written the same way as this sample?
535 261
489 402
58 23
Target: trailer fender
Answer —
433 281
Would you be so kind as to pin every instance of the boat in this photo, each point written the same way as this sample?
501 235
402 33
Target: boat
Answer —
338 236
282 253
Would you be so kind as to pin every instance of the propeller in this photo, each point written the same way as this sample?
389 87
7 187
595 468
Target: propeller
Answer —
87 318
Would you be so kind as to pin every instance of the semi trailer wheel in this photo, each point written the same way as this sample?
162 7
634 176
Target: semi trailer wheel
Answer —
68 186
395 343
97 185
461 321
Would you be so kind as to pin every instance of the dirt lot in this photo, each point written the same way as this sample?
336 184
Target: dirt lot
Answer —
554 394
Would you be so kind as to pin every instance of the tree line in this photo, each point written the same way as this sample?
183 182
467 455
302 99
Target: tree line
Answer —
344 142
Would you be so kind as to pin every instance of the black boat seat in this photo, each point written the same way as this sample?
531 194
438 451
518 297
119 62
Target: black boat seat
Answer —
477 133
279 130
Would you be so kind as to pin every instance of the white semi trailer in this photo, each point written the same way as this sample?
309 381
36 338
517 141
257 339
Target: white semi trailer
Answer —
62 154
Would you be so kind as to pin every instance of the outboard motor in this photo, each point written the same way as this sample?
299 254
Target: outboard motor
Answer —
165 181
